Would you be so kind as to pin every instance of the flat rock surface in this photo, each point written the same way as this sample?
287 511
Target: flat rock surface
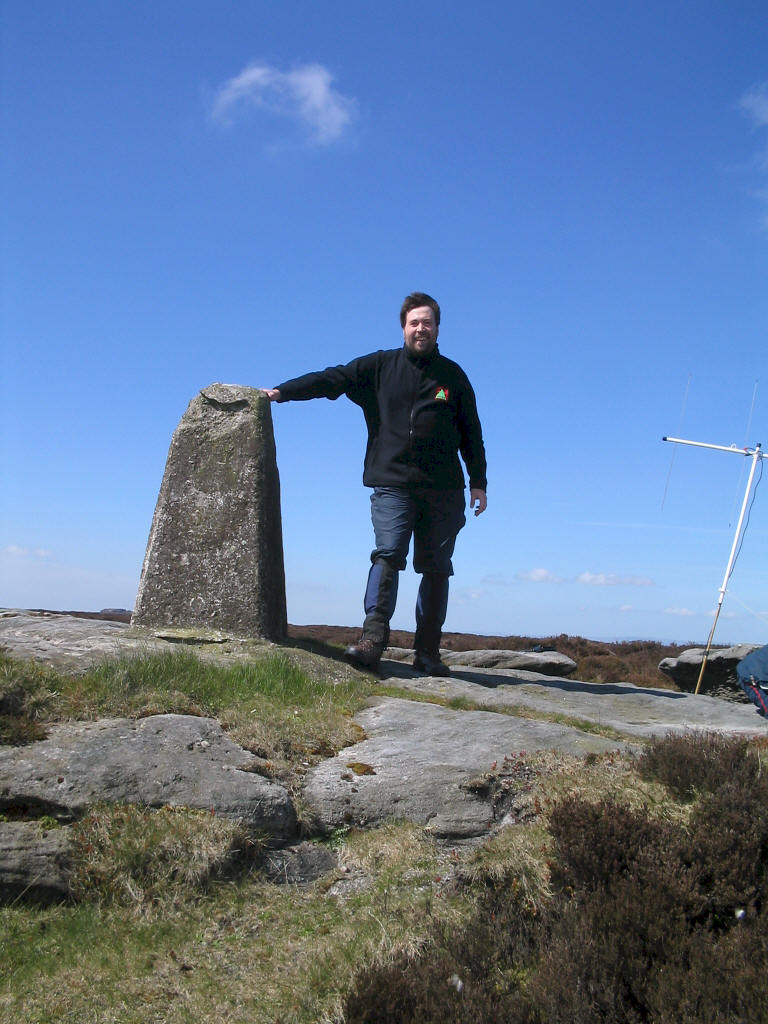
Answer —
548 663
74 644
68 642
176 760
629 710
418 763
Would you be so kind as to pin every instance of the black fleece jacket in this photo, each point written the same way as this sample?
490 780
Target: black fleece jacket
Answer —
420 412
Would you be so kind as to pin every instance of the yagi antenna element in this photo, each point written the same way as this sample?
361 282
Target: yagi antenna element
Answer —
755 454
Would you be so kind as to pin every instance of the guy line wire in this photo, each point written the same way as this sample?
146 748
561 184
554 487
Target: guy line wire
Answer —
743 470
674 450
746 524
758 615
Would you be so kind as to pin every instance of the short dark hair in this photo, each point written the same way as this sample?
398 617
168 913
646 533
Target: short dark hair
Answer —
414 301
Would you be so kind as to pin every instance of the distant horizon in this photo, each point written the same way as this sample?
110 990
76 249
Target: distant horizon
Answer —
453 632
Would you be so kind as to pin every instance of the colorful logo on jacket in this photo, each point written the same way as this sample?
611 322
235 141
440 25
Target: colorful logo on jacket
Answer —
441 395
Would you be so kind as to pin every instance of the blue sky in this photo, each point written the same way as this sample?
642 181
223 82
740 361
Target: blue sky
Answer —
241 192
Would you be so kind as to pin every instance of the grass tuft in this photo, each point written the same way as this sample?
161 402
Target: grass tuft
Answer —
146 859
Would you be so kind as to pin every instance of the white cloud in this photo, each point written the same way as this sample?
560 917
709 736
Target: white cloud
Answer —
602 579
592 579
539 576
14 551
684 612
754 103
305 95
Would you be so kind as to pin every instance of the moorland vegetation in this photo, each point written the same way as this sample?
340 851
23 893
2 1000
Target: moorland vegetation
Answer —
634 889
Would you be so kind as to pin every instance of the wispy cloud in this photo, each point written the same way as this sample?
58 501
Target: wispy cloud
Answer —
602 579
754 103
539 576
304 95
15 551
684 612
590 579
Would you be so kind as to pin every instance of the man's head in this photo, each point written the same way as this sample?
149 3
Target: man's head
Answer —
420 320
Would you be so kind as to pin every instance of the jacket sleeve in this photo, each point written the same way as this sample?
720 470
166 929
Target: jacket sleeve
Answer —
333 381
471 445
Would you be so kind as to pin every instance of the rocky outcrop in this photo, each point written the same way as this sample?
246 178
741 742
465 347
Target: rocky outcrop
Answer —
427 764
163 760
549 663
420 761
215 551
719 679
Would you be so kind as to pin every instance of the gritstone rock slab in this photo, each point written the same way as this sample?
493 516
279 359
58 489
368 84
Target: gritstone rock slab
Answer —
173 760
417 764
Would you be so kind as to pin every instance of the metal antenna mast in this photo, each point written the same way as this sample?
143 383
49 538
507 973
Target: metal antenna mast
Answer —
755 454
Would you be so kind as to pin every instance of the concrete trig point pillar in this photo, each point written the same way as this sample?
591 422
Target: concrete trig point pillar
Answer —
215 552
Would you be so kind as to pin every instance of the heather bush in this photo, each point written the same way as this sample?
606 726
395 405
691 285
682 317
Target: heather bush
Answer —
717 982
474 974
596 844
699 762
729 849
650 921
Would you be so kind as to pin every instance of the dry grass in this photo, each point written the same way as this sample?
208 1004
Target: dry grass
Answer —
243 950
166 936
150 860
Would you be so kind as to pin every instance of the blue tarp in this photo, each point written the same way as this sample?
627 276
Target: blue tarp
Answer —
752 673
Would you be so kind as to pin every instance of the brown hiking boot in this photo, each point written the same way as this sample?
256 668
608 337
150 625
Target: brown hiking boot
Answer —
365 652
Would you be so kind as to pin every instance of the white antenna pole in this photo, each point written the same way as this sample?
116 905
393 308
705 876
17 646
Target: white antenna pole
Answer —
755 454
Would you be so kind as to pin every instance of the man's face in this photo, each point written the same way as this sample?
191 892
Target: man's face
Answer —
420 331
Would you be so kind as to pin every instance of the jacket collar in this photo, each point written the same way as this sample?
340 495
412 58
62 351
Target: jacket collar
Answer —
421 361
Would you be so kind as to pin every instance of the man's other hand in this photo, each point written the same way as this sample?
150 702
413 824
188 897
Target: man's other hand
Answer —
476 495
272 394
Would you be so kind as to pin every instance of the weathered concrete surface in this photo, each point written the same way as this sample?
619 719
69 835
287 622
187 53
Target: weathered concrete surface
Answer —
548 663
163 760
719 679
627 709
215 551
418 763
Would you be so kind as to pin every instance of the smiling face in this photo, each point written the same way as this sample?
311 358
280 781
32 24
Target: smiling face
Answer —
420 330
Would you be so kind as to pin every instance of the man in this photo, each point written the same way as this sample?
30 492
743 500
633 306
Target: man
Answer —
420 411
